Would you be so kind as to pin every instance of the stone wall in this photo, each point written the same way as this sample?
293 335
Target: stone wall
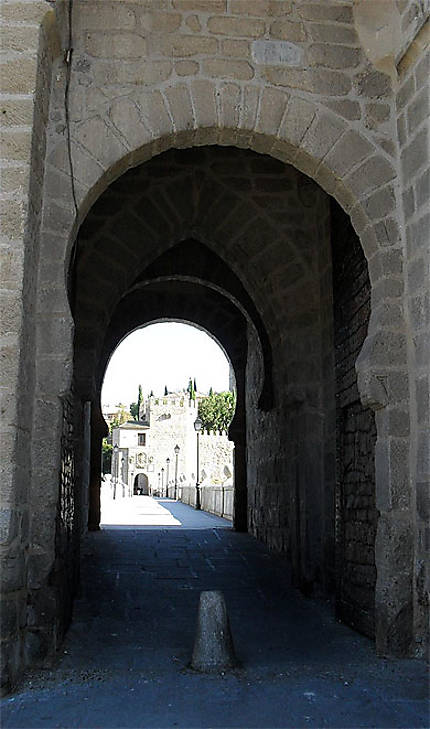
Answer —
217 500
413 104
356 514
290 80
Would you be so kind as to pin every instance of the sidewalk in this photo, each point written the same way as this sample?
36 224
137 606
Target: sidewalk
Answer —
124 662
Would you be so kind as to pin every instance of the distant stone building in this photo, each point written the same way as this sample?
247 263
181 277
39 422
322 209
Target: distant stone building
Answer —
144 458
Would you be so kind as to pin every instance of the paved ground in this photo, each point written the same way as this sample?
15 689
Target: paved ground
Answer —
124 663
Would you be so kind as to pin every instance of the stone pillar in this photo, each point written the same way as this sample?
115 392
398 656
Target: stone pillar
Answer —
25 81
99 430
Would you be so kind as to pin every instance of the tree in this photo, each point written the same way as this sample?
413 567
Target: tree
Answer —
216 410
191 390
134 410
135 407
121 416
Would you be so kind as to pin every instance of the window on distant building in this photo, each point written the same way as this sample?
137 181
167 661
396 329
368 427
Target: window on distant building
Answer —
141 438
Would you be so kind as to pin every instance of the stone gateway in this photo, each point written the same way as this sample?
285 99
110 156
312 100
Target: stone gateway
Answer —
258 168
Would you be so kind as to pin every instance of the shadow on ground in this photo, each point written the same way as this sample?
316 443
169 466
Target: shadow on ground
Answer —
124 662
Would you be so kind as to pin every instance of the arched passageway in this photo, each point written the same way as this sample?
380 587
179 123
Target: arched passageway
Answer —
141 484
257 254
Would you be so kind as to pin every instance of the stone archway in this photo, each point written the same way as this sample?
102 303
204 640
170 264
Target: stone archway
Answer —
370 386
141 485
291 115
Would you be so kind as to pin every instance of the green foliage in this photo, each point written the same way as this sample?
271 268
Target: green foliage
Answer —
217 410
106 456
134 410
191 390
121 416
135 407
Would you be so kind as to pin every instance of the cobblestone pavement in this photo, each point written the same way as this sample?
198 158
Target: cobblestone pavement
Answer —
124 661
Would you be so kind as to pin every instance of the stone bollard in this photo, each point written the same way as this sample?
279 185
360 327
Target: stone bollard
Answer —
213 646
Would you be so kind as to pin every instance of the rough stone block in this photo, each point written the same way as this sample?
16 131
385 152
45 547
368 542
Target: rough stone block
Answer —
9 525
323 133
229 105
287 30
373 84
381 203
204 6
156 22
223 68
236 27
204 104
125 116
373 173
21 12
331 83
260 8
130 73
328 33
106 15
333 56
181 110
272 108
277 53
349 151
236 48
115 45
186 68
300 114
334 13
16 112
289 77
8 617
12 572
154 113
415 155
187 45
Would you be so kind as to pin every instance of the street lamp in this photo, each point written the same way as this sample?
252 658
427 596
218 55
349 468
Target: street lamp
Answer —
176 449
198 425
162 481
115 469
122 476
167 477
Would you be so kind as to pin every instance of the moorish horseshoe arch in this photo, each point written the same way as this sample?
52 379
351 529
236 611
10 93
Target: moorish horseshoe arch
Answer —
141 308
279 130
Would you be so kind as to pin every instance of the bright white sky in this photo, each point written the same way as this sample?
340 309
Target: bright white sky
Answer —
164 354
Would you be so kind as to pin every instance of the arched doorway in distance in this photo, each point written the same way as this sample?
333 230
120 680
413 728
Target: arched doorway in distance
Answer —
141 485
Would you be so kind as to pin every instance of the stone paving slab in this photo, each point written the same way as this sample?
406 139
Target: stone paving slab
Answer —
125 659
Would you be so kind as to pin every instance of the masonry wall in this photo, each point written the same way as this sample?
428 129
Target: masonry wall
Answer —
289 80
356 514
29 44
413 105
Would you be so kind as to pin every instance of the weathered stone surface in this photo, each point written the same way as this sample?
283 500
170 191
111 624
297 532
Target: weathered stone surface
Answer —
213 648
129 100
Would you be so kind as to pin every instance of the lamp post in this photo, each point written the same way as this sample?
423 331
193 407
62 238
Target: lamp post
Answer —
162 482
115 469
122 476
198 425
167 477
176 449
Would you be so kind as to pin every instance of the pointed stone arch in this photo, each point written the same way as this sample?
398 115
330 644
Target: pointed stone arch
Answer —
285 126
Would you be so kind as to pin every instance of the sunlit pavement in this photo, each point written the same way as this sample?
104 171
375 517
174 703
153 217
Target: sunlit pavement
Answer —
144 511
125 660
